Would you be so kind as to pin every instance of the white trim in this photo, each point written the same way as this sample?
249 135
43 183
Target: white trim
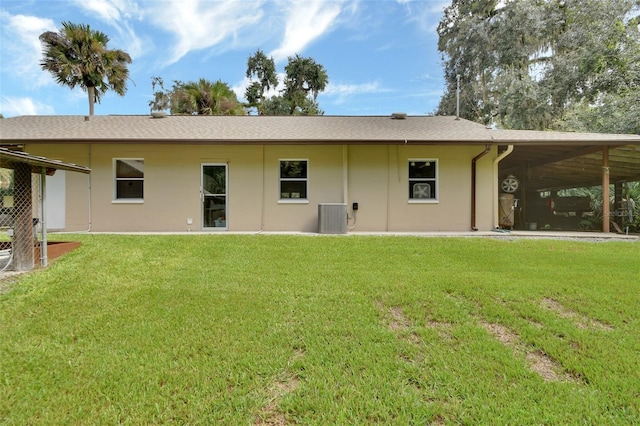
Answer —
435 180
115 199
428 201
226 198
293 200
128 201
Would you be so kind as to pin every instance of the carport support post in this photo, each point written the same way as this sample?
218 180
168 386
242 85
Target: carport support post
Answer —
43 217
23 229
606 215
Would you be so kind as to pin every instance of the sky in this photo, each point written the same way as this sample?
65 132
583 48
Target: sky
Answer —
381 55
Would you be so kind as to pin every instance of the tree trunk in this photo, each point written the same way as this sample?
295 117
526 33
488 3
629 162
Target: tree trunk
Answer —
92 99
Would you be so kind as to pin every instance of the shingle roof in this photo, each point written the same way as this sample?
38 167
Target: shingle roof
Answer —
279 129
533 137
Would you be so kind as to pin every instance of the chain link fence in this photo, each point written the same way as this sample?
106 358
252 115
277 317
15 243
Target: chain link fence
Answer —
20 207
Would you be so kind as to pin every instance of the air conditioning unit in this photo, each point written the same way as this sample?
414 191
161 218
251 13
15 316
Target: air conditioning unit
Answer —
332 218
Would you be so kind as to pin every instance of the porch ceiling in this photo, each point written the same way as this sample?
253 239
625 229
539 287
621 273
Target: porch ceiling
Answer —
552 167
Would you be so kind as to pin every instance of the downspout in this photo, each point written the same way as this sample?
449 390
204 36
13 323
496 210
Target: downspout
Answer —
496 216
487 148
264 188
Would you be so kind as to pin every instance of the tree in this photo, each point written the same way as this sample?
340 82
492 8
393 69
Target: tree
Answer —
161 97
304 80
264 70
78 56
613 113
204 98
527 65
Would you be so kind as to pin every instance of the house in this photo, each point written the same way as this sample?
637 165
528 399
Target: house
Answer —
393 173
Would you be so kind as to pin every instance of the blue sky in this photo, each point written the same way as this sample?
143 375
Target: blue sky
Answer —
381 56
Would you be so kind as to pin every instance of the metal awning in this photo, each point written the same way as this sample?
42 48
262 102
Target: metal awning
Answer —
9 158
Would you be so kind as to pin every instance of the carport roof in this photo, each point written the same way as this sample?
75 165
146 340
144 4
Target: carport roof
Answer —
575 166
9 158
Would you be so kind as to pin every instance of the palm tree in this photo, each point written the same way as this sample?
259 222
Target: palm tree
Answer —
78 56
205 98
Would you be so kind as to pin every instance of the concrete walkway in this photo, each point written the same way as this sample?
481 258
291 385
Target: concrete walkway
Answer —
496 234
565 235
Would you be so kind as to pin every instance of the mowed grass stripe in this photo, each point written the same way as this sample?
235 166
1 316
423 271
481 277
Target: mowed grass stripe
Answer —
264 329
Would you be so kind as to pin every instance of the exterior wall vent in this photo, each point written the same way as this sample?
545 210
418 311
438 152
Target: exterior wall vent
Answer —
332 218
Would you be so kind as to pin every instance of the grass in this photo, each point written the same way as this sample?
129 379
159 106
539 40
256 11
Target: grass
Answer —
268 330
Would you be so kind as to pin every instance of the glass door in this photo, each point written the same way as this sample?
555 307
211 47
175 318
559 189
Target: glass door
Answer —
214 196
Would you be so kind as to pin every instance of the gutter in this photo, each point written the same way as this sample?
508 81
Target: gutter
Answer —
496 218
475 159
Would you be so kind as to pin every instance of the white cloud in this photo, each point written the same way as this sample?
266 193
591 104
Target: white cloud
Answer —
21 47
241 87
342 92
110 11
10 106
201 24
117 13
305 22
426 15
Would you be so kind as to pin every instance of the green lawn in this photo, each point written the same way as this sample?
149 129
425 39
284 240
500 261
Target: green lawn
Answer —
269 330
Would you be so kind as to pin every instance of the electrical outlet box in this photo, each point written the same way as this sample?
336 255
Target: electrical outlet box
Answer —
189 221
355 206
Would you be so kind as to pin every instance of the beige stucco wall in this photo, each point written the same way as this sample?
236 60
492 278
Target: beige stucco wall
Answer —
376 178
378 182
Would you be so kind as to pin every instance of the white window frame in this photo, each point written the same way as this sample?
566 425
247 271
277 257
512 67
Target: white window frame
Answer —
116 179
433 181
292 200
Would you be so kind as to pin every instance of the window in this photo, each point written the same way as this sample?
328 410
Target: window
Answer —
423 180
129 184
293 180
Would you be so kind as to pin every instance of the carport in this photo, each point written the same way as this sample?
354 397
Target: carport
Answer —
23 205
543 166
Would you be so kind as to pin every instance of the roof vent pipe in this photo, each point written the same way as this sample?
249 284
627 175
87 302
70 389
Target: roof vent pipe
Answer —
458 97
399 115
86 118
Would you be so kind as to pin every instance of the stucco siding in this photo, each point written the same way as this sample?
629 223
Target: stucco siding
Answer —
368 183
324 186
378 181
376 178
